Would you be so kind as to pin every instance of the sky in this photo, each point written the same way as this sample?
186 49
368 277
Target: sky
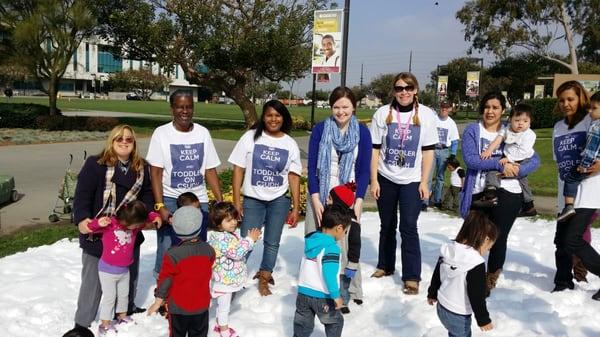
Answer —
383 32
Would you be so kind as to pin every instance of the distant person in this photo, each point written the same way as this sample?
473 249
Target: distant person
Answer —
452 193
183 159
318 279
330 55
184 279
118 240
458 280
229 270
8 92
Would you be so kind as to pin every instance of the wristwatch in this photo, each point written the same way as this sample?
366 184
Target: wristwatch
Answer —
158 206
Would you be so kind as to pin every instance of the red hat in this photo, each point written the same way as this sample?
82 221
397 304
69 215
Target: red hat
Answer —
344 193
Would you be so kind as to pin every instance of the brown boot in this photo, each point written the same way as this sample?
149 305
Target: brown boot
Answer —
579 270
264 278
490 281
411 287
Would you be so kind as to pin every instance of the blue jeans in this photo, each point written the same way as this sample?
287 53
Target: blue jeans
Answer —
165 236
439 166
457 325
572 180
268 214
408 199
304 318
345 288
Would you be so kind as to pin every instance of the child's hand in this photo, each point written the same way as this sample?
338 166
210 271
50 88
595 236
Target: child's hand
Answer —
487 327
254 234
157 222
503 161
154 307
431 301
104 221
487 154
339 303
581 169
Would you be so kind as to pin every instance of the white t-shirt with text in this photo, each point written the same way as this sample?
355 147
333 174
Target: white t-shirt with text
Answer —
447 130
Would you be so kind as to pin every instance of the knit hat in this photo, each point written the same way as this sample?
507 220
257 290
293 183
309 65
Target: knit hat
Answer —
344 194
187 222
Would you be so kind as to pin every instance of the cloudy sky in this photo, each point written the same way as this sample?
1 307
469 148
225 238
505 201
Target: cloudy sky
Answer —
383 32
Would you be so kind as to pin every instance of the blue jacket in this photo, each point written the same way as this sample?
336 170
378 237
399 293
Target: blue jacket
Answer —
472 157
320 267
362 168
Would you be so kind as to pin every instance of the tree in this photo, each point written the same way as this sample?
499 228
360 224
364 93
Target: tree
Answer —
43 35
456 70
534 25
238 41
263 89
360 92
143 80
381 86
320 95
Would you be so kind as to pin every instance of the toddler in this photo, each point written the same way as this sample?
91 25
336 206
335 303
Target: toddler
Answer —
188 199
118 238
457 178
229 271
458 283
351 282
184 278
590 153
518 141
318 284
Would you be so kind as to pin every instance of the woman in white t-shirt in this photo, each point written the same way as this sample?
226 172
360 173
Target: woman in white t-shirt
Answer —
404 135
266 164
475 139
568 139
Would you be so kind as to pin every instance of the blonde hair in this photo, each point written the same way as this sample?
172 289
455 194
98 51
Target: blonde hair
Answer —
410 79
108 156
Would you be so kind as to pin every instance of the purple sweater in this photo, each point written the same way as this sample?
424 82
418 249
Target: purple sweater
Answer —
472 157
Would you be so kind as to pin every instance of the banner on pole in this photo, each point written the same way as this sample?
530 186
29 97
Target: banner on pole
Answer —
327 41
527 95
442 86
472 83
538 91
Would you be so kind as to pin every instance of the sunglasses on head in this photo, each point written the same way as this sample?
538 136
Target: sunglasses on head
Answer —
399 88
128 140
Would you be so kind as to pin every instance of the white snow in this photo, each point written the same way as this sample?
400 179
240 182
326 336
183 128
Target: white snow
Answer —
38 290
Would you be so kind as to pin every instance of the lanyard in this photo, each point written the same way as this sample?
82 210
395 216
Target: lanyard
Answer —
403 129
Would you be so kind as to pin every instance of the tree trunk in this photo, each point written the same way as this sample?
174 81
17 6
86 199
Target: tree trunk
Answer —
52 91
244 102
568 27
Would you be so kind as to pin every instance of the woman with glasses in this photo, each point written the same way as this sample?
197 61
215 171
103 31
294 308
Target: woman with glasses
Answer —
404 136
106 182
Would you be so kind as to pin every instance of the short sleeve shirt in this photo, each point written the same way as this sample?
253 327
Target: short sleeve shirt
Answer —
447 131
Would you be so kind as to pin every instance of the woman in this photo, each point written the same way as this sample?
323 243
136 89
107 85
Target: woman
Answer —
339 151
476 138
404 136
568 139
266 163
128 178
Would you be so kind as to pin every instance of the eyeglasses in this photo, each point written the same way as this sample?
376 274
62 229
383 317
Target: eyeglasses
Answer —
128 140
399 88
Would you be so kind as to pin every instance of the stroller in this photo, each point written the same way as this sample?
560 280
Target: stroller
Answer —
66 193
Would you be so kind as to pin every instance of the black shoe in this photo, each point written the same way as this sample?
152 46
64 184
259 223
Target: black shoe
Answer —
136 310
345 310
423 208
438 205
561 287
566 213
596 296
357 301
79 330
528 212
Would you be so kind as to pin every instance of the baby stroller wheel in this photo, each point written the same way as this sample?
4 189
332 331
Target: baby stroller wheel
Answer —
67 209
53 218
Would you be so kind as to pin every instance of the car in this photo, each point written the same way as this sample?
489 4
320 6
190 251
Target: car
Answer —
8 193
132 96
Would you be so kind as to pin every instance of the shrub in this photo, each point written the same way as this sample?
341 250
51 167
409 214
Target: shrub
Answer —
543 112
21 115
298 123
101 123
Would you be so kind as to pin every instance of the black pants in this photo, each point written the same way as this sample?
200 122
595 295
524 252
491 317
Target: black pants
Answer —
134 270
188 325
503 216
569 241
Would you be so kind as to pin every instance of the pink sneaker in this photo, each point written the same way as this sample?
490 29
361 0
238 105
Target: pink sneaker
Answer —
226 333
102 330
125 320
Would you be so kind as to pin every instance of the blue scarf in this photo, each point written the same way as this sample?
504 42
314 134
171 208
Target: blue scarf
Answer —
344 144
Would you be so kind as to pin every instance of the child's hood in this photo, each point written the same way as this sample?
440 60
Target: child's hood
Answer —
458 259
315 242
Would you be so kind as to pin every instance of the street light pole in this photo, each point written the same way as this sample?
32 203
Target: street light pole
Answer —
345 42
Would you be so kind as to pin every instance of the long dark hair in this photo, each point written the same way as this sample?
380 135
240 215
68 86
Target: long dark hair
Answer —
582 107
276 105
475 229
132 213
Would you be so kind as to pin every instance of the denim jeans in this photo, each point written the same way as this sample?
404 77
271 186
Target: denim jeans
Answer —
165 236
268 214
408 199
304 318
345 288
439 166
457 325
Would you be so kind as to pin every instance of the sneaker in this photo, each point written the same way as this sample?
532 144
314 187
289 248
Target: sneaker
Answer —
530 212
357 301
226 333
136 310
566 213
596 296
378 273
423 208
103 330
345 310
561 287
125 320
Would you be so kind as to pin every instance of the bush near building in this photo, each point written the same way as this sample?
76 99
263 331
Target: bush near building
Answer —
543 112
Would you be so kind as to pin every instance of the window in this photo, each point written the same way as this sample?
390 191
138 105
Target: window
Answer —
107 62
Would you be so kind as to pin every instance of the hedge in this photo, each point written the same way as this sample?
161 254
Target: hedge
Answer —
21 115
543 112
35 116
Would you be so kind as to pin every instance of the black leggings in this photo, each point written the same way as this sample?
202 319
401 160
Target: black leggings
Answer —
503 216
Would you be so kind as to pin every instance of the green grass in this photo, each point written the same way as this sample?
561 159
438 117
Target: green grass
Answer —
25 238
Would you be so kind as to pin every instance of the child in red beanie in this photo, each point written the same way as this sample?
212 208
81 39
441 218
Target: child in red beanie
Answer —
351 282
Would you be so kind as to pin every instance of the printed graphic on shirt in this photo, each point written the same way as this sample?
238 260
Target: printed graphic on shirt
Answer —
267 164
443 135
122 238
187 162
395 153
485 143
567 149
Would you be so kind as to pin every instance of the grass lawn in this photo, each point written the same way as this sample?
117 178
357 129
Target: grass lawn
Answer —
35 236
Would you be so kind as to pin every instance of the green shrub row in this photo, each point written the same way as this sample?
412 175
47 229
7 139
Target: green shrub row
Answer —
543 112
21 115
